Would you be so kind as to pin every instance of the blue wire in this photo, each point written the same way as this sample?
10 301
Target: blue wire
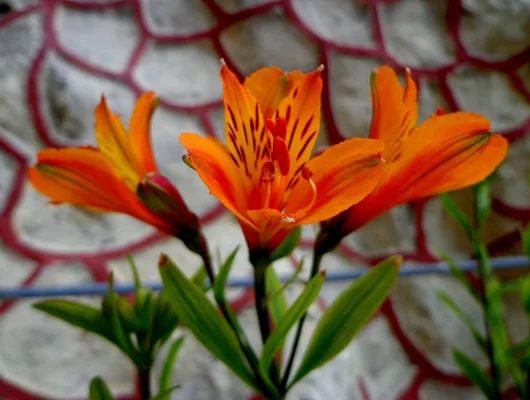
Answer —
95 289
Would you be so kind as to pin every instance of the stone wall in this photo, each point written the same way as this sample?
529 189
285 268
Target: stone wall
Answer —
58 56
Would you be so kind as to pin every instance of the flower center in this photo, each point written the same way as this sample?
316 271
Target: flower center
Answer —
275 174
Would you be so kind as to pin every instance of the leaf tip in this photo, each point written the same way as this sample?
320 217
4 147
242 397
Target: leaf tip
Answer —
396 261
162 261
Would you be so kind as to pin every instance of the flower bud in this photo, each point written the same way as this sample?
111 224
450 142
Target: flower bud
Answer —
163 199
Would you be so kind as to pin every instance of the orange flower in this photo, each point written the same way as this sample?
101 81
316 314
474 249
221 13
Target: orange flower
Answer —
444 153
121 176
264 174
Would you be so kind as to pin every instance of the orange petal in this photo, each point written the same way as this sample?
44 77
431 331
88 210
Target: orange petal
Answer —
140 131
269 86
394 110
114 143
217 169
247 139
86 177
446 153
343 175
301 109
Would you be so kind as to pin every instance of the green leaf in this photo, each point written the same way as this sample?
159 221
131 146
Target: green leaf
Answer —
134 270
167 369
525 238
122 339
293 314
128 316
222 278
524 291
165 394
164 320
77 314
474 372
98 390
200 277
195 310
348 314
275 295
461 276
452 208
144 307
444 297
482 202
498 332
288 245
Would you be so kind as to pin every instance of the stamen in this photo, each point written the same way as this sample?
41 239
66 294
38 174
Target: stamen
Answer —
440 111
271 125
307 174
267 176
280 154
281 128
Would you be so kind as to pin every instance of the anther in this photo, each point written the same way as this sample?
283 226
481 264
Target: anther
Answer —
306 173
281 128
280 154
440 111
271 126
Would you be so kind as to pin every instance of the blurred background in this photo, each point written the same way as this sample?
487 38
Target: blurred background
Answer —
58 56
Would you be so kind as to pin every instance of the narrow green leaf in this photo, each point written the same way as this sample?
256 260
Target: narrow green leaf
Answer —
275 295
482 202
289 282
128 315
444 297
164 320
348 314
525 238
461 276
222 278
288 245
200 277
122 339
134 270
293 314
474 372
167 369
452 208
165 394
498 332
524 291
512 286
78 314
98 390
195 310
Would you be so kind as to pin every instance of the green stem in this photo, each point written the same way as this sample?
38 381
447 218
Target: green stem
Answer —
315 267
484 272
145 384
260 259
261 308
242 338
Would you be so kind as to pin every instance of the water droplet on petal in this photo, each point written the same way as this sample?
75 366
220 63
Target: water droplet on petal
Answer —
288 219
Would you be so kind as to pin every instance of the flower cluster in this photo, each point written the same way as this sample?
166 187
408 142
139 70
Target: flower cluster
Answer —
264 173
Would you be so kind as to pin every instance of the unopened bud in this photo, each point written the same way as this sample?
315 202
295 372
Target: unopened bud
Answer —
160 196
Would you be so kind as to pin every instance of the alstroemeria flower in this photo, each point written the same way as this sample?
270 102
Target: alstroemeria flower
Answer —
264 174
444 153
121 176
